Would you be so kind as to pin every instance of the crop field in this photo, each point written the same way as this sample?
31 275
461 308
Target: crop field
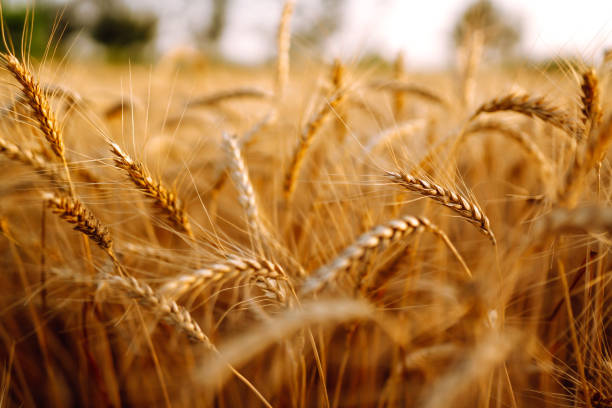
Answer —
312 232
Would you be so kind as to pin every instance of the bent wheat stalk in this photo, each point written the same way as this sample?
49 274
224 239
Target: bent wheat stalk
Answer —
467 209
165 200
238 93
32 159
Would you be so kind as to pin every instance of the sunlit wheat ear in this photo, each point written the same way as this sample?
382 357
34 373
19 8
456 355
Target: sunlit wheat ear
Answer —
239 93
531 106
467 209
246 194
590 107
306 139
584 162
74 212
169 310
523 140
283 43
33 160
165 200
38 102
410 89
354 256
267 275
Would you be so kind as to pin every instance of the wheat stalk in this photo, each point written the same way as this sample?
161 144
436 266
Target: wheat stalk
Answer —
467 209
408 127
377 239
533 107
306 139
164 199
523 140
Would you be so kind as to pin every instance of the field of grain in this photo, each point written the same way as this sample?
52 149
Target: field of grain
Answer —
310 233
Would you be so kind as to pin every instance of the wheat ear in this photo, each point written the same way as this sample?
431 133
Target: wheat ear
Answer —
468 209
590 107
74 212
533 107
238 93
246 194
266 274
584 163
306 139
32 159
411 89
283 43
164 199
378 238
38 102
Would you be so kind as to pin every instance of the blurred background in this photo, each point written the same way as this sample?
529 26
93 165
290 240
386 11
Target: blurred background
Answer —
243 31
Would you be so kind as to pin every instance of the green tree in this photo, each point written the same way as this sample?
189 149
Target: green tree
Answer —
500 34
35 26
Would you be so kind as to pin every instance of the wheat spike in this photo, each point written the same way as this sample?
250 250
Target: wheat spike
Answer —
283 42
266 274
74 212
306 139
468 209
590 107
533 107
39 103
164 199
157 303
378 238
32 159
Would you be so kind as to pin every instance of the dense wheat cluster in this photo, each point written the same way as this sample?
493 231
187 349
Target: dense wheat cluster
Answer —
313 234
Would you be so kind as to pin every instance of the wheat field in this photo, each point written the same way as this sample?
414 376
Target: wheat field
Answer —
309 233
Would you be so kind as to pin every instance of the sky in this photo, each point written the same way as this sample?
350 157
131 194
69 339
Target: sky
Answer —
420 28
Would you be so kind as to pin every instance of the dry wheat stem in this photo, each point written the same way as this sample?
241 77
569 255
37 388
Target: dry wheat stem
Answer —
354 256
306 139
468 209
165 200
387 135
283 42
267 275
531 106
522 139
